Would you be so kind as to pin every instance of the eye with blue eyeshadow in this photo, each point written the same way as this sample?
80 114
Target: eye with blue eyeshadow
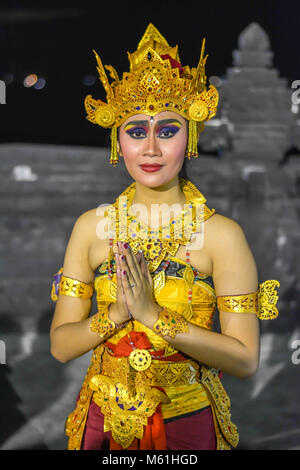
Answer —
170 130
164 130
137 132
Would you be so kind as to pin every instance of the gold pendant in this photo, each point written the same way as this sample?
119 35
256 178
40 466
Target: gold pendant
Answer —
140 359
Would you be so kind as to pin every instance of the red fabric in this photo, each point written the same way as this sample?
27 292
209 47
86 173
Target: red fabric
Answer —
140 341
174 63
195 432
124 348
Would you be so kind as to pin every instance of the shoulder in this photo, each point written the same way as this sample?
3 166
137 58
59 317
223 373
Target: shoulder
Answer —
86 223
92 216
221 226
86 216
234 266
223 236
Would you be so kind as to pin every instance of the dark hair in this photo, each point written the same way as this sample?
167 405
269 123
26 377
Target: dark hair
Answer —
183 171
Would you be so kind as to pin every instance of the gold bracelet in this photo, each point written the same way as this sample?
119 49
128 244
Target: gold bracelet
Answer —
170 323
101 324
68 286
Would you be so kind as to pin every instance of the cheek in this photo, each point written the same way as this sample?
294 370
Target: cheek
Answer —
129 146
175 148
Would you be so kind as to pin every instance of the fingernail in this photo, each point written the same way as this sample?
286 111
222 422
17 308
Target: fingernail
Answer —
124 272
123 257
125 245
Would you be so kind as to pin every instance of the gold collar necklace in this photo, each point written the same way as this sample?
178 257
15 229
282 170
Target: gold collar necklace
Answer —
155 243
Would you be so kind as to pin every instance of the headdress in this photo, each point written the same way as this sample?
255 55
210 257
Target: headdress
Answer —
156 82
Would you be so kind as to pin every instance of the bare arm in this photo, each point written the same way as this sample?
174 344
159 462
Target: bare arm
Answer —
236 349
70 335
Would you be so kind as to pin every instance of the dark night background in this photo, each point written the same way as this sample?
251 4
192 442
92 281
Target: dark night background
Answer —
55 40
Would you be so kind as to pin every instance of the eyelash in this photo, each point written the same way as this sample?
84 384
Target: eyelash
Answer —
169 129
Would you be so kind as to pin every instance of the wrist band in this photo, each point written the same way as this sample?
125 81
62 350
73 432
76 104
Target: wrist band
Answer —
101 324
170 323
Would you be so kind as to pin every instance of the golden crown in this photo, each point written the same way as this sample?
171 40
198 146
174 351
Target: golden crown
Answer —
156 82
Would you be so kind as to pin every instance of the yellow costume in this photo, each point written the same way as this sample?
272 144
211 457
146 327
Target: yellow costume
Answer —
188 385
130 386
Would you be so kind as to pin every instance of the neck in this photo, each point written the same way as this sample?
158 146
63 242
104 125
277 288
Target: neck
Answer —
169 193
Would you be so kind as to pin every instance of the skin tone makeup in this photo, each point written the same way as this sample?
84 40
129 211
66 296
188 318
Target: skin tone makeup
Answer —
153 148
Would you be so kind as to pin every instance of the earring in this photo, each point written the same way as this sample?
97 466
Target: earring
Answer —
192 149
114 154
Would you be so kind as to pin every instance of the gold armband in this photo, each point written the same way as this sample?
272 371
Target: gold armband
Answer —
68 286
262 302
170 324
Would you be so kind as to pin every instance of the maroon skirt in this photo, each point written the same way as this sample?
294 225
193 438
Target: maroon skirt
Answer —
193 432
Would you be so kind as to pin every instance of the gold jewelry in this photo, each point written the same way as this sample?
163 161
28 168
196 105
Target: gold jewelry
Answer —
262 302
158 374
156 82
267 300
140 359
170 324
68 286
125 412
101 324
156 243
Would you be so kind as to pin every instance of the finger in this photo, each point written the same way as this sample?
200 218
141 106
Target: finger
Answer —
135 270
121 297
126 286
124 266
118 275
146 271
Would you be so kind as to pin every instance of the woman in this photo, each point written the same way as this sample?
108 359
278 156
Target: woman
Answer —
154 380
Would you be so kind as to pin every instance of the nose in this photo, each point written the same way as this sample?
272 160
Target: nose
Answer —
152 147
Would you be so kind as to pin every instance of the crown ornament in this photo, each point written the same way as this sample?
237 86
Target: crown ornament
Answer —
156 82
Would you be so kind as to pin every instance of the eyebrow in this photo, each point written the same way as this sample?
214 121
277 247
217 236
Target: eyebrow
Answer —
146 123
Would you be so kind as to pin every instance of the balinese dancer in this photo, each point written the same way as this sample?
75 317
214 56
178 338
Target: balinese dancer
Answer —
162 264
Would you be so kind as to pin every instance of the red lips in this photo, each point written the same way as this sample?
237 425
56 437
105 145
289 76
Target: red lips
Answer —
151 167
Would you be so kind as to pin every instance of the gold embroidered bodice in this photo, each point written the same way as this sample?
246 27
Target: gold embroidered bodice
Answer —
172 293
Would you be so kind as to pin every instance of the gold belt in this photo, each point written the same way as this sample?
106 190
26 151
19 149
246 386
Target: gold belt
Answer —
159 373
128 397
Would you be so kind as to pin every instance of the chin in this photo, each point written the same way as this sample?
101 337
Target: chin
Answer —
153 180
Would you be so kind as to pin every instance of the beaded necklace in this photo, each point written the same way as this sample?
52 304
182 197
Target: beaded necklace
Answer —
153 243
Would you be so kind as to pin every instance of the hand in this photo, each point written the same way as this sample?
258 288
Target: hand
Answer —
118 311
137 285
